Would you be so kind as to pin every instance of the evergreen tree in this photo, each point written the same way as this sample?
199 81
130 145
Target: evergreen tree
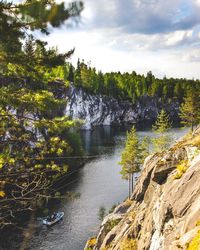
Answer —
190 109
161 126
31 136
71 73
29 47
144 149
162 123
129 158
77 75
131 86
18 20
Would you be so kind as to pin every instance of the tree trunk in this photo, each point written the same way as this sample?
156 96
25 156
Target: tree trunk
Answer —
132 183
129 186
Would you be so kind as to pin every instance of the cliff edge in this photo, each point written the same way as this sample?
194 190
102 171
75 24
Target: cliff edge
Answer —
164 210
96 110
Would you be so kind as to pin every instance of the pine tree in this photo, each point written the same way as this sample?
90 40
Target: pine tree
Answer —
29 47
77 75
162 123
129 158
71 73
190 109
144 149
161 126
31 137
19 19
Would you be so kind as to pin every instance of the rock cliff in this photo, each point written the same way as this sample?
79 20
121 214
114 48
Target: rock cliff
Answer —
164 210
97 110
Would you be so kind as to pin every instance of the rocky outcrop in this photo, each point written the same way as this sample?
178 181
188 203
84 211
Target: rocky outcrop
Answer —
164 210
97 110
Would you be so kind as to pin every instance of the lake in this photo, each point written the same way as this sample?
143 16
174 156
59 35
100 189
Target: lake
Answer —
99 184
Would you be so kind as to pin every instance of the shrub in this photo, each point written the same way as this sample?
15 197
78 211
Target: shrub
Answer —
91 243
129 202
102 213
181 168
110 224
128 244
112 208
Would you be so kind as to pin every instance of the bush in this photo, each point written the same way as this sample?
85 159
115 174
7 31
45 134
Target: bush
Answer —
128 244
110 224
112 208
181 168
102 213
91 243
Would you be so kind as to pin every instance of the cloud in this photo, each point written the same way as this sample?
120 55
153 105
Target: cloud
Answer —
143 16
191 55
141 35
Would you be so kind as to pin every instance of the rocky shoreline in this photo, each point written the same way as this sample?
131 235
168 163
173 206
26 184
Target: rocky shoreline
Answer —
164 210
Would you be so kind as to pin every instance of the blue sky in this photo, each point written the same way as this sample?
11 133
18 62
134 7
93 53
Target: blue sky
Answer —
124 35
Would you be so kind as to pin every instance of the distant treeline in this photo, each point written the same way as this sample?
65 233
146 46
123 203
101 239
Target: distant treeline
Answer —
128 86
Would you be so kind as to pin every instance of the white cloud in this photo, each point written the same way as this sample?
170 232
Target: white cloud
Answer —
141 35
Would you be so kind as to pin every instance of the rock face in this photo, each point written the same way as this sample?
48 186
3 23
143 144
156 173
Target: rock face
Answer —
164 211
103 110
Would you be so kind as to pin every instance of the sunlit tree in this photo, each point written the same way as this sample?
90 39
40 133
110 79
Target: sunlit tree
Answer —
190 109
133 156
32 132
161 127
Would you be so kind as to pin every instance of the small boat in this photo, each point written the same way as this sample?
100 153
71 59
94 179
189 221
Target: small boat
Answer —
54 218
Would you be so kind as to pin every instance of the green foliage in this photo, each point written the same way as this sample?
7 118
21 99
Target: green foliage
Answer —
161 126
144 149
129 158
162 123
161 143
128 244
134 153
190 109
102 213
130 86
133 156
112 209
91 243
17 20
181 168
33 136
110 224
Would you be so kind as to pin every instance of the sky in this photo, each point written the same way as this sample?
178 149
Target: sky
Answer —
141 35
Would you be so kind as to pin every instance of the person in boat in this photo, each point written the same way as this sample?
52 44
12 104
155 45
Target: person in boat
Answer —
53 217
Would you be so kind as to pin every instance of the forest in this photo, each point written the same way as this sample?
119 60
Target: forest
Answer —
128 86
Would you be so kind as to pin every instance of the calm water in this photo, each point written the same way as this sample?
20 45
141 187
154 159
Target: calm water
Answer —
99 184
